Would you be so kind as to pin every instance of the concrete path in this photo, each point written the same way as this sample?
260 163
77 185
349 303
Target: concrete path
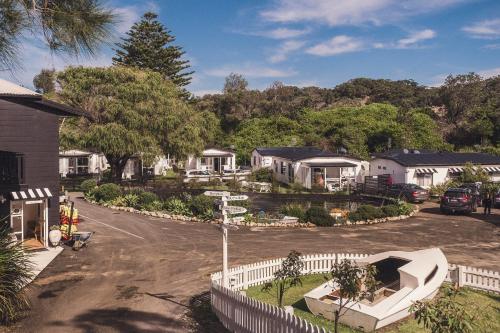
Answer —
143 274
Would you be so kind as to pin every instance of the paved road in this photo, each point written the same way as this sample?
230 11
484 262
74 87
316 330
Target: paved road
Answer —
143 274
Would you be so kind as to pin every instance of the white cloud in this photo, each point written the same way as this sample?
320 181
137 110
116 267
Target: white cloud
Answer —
416 37
285 49
127 16
487 73
285 33
487 29
492 46
336 45
250 70
350 12
201 93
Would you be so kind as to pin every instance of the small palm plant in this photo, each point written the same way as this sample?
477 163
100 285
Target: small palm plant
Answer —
15 273
286 277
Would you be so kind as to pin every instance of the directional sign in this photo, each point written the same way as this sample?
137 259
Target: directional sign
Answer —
237 219
217 193
237 197
235 209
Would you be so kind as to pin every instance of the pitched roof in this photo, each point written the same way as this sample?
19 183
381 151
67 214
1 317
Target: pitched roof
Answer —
296 153
434 158
8 88
17 94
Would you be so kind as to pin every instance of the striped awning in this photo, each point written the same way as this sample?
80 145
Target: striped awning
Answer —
456 170
425 171
31 194
492 169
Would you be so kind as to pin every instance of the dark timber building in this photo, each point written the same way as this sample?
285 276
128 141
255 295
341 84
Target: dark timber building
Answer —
29 155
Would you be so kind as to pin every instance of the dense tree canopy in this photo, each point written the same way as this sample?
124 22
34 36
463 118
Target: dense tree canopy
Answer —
149 46
130 112
44 82
75 27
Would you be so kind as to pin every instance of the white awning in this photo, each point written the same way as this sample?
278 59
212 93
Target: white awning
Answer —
31 194
425 171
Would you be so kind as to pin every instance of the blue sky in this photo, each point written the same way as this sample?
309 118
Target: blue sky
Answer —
311 42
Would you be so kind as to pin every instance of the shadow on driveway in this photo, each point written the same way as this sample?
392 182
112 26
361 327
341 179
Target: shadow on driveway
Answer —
122 320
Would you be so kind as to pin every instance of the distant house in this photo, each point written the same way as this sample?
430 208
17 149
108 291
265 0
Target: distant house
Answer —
309 166
215 160
29 173
427 167
136 167
81 163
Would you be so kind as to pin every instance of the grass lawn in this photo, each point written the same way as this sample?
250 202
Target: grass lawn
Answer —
488 303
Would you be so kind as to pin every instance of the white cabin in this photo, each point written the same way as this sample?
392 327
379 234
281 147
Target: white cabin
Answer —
78 162
215 160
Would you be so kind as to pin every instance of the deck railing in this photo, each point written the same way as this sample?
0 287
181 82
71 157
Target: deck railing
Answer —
239 313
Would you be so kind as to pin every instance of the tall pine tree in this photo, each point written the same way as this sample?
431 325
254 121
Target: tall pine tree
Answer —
149 46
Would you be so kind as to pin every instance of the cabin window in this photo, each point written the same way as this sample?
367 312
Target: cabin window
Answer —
82 165
203 161
424 179
275 166
379 167
223 161
255 160
290 173
282 168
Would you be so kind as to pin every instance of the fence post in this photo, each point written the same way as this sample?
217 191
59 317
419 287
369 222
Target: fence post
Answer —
460 278
245 277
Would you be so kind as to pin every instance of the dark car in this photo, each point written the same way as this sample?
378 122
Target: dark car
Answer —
475 189
458 200
408 192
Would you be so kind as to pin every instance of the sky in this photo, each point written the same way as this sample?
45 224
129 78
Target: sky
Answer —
308 42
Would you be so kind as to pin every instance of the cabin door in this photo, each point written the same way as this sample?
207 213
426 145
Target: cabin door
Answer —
217 164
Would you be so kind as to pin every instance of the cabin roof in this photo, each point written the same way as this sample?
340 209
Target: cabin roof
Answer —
297 153
411 158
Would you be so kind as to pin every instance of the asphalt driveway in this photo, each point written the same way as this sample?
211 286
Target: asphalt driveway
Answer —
144 274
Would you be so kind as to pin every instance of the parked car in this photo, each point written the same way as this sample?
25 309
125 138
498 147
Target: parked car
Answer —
458 200
408 192
475 191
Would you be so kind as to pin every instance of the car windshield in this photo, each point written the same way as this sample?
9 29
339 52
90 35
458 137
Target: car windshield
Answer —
414 187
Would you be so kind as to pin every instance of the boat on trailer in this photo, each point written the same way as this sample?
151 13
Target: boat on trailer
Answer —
404 278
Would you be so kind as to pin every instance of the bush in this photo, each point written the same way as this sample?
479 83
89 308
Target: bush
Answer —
176 206
405 208
107 192
297 187
88 185
146 198
391 210
438 190
119 202
202 206
294 210
131 200
154 206
263 175
319 216
366 212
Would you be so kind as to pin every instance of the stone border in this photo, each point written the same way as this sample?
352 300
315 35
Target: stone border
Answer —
254 224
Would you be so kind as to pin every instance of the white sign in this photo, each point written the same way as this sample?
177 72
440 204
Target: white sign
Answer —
216 193
237 197
235 209
237 219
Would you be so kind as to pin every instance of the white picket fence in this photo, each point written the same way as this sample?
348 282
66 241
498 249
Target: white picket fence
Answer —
239 313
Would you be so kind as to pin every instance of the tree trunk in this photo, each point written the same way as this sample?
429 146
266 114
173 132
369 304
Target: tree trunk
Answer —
336 324
117 164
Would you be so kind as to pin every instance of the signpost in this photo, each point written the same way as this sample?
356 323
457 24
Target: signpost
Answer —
226 221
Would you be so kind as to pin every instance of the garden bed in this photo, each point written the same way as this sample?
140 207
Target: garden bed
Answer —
294 297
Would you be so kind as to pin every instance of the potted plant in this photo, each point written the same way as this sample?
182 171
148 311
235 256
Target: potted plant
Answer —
55 235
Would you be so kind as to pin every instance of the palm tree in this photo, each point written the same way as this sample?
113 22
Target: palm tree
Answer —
15 274
76 27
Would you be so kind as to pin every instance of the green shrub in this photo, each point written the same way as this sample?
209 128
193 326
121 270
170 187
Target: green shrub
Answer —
214 182
154 206
131 200
391 210
438 190
202 206
263 175
119 202
319 216
146 198
176 206
405 208
366 212
294 210
88 185
297 187
107 192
